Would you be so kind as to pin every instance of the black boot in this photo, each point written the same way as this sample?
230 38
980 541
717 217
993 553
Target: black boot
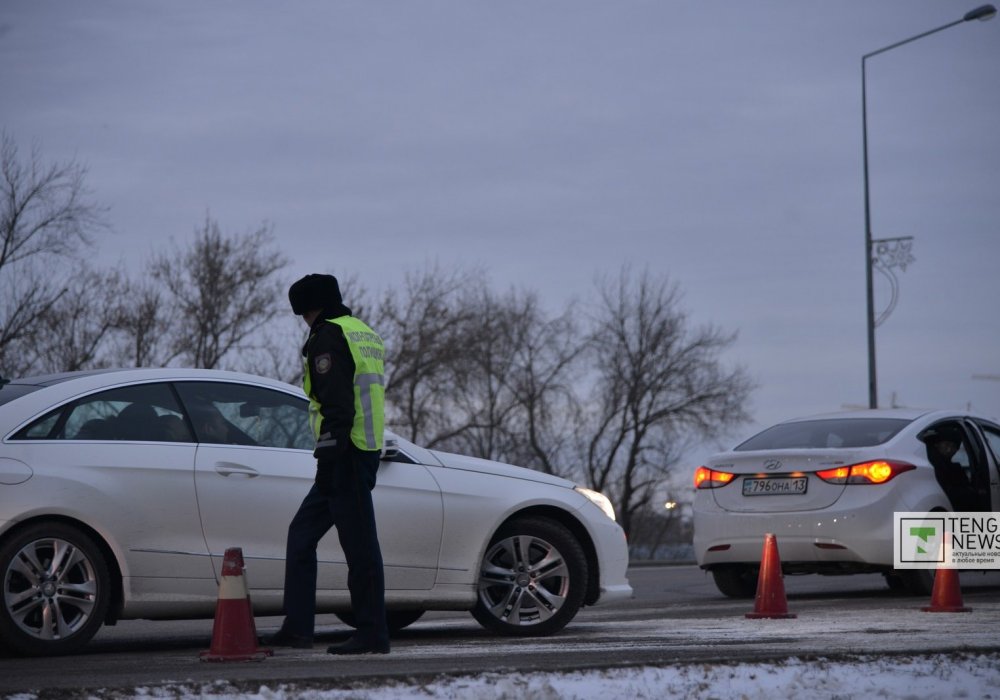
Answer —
283 638
355 645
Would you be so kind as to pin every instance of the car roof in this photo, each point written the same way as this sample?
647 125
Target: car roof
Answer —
93 378
909 414
50 379
898 413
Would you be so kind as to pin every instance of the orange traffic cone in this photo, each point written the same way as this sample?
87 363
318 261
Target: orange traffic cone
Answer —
234 636
946 595
770 601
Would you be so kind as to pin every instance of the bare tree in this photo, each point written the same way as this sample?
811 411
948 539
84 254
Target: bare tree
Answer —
483 373
79 324
220 291
513 382
45 217
26 295
480 396
545 379
142 326
661 385
275 351
660 532
424 326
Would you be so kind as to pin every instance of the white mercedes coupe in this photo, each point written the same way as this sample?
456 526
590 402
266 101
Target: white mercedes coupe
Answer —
120 491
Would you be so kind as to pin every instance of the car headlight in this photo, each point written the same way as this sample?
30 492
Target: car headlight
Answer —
599 500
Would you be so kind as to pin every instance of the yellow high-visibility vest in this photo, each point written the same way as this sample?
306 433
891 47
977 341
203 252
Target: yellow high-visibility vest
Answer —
368 352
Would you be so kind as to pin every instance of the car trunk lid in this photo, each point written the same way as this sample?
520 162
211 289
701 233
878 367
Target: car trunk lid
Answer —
779 481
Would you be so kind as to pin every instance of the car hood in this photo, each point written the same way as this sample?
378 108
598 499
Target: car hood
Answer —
488 466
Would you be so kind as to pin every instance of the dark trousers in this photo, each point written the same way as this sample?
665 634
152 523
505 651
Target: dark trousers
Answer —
348 507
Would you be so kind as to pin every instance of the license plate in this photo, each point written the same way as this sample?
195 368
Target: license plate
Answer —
775 486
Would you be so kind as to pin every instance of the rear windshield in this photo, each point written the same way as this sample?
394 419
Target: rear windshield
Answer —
828 433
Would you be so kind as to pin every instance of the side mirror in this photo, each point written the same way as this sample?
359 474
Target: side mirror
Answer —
390 450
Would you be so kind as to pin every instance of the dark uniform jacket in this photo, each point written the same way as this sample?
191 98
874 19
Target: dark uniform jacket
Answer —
955 484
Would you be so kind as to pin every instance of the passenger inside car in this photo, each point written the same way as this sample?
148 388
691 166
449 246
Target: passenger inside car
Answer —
137 421
174 429
212 427
94 429
943 444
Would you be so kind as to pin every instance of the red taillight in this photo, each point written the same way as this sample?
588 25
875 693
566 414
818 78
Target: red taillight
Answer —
705 478
877 472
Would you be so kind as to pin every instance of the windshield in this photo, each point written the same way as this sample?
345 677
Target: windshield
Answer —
827 433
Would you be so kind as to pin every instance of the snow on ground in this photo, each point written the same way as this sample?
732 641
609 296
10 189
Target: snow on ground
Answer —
893 652
930 677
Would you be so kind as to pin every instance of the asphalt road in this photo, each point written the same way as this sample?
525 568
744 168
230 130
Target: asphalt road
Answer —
677 616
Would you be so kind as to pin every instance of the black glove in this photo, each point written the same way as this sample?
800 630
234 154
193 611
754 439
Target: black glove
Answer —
331 447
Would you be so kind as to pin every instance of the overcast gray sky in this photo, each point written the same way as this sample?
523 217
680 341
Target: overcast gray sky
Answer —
718 143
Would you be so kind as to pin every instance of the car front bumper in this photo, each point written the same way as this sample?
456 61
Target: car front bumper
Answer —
612 554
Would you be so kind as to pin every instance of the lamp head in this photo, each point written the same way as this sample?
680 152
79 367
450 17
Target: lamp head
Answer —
981 13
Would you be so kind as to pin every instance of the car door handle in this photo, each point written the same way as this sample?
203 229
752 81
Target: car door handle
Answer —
232 468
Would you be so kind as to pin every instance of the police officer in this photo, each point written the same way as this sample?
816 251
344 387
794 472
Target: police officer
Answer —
343 379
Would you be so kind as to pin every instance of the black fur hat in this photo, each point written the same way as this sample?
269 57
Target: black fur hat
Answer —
939 433
313 293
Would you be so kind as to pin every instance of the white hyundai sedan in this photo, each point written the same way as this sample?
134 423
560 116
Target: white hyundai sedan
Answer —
120 491
827 487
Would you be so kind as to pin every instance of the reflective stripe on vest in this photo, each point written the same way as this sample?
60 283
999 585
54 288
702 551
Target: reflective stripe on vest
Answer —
368 352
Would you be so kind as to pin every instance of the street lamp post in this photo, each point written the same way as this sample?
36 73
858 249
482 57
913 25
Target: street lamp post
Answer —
983 13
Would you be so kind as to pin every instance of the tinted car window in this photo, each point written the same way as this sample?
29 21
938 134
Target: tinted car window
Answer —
827 433
139 412
239 414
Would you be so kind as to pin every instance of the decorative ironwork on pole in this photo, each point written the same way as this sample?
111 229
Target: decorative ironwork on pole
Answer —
888 254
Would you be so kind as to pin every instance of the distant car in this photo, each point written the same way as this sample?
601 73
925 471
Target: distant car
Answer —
827 487
121 490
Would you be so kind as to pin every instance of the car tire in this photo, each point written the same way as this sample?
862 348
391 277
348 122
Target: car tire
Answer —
394 619
532 579
736 581
913 582
56 590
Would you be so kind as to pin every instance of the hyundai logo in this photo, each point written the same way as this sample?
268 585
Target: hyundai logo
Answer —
772 464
